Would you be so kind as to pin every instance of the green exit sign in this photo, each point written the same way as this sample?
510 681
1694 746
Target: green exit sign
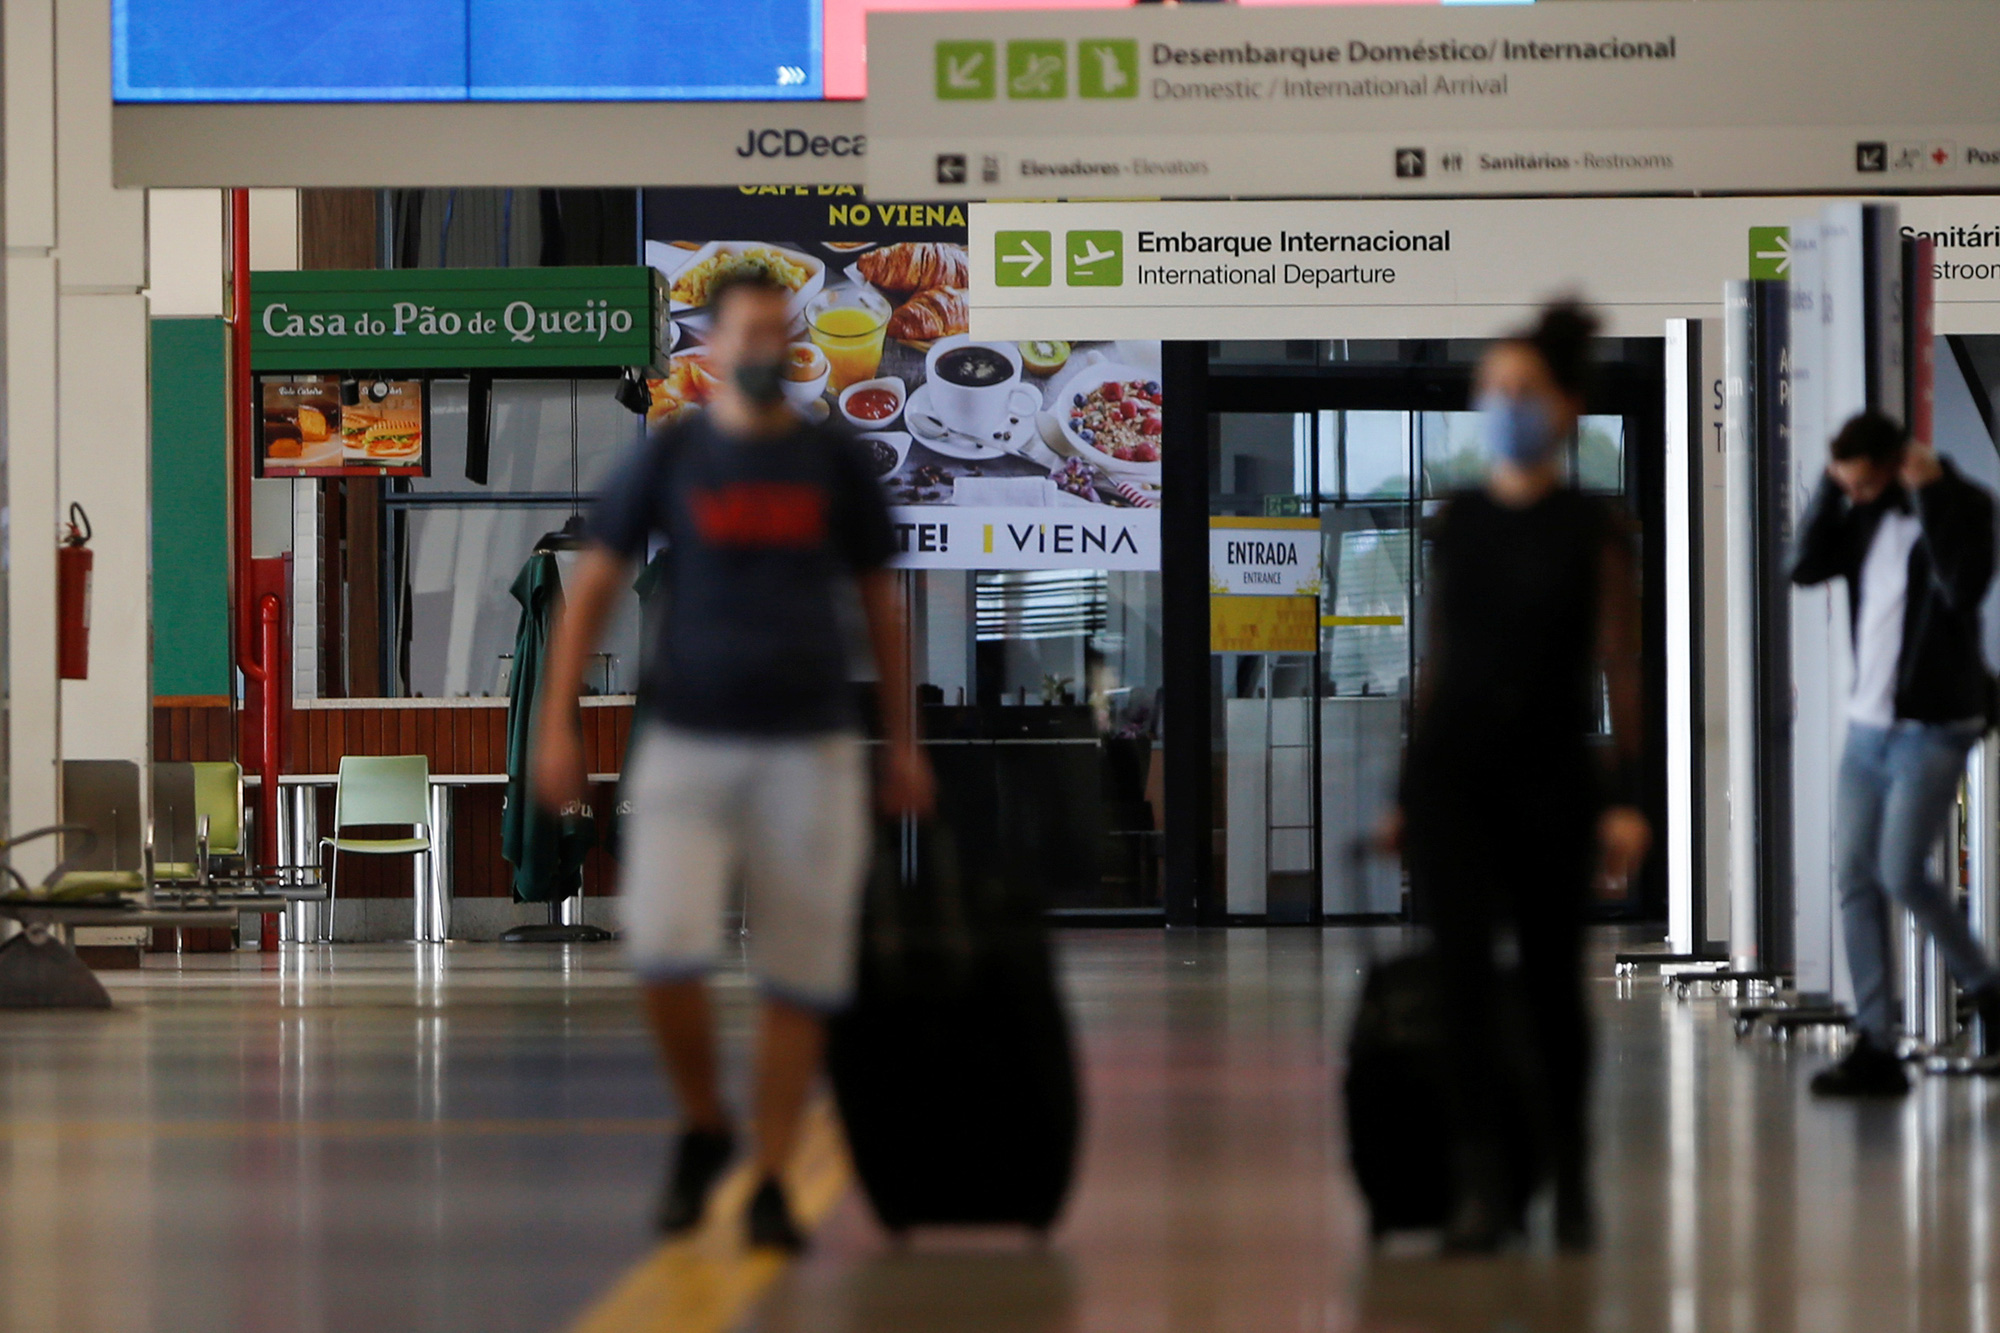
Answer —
458 319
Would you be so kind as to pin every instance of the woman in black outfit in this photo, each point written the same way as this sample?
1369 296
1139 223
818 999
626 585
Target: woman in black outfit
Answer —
1506 810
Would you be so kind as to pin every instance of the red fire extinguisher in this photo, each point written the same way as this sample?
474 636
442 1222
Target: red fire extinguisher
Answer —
73 561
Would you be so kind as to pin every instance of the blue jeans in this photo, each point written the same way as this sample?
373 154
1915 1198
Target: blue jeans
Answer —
1896 788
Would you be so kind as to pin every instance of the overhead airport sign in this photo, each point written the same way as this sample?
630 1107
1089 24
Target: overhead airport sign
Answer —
1427 268
1592 98
458 319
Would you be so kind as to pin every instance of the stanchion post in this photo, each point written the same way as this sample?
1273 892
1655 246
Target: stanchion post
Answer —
1982 846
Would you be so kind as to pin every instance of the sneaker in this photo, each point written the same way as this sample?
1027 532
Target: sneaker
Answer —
698 1164
1866 1071
770 1220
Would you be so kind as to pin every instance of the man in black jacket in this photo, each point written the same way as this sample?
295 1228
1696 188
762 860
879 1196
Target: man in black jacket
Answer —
1914 540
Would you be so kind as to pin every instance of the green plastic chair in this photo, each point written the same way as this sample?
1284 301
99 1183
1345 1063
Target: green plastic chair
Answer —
198 813
377 789
218 802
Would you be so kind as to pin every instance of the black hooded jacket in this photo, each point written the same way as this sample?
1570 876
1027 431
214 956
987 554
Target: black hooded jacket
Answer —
1940 674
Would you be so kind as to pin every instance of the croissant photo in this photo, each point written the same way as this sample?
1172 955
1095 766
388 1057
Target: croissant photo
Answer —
914 266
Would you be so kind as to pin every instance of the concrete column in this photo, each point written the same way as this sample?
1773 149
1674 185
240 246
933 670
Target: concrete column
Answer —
34 736
103 426
186 253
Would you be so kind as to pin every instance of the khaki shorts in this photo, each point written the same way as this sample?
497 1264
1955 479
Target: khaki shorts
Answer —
788 815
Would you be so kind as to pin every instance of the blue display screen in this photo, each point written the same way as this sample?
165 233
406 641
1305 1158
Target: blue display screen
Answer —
464 50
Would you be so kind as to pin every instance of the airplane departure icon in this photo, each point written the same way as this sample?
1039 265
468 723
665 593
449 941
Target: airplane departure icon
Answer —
1091 254
1096 258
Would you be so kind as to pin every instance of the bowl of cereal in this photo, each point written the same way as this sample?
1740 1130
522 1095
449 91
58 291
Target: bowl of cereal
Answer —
1110 416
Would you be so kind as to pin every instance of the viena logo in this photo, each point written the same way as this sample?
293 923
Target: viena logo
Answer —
798 143
521 321
1084 537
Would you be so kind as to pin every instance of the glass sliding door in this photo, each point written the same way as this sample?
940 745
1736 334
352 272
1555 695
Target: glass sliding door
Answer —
1264 465
1367 650
1366 441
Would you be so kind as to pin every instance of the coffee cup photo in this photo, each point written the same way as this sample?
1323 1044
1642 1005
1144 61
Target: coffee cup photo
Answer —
972 384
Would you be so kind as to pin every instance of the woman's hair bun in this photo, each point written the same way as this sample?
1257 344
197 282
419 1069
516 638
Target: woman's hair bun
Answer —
1561 334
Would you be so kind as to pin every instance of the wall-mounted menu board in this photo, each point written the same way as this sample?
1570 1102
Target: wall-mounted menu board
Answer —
308 431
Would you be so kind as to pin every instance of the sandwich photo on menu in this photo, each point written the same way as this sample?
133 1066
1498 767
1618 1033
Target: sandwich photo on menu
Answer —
390 430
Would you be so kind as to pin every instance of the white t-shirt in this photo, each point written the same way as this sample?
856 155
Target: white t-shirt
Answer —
1878 639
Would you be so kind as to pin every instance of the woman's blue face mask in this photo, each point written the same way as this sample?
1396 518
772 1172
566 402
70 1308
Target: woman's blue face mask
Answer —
1516 429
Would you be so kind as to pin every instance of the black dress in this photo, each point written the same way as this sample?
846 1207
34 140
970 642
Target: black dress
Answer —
1501 791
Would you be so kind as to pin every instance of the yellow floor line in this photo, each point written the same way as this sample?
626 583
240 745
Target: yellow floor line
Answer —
707 1282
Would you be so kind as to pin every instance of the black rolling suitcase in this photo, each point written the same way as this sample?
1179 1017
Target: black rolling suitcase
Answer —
953 1068
1398 1132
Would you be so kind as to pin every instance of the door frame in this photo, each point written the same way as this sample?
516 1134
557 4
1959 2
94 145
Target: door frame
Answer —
1632 386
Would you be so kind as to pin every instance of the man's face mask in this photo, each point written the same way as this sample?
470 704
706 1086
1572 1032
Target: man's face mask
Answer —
762 381
1516 429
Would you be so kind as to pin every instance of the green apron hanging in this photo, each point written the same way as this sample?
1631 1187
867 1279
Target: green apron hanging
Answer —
546 850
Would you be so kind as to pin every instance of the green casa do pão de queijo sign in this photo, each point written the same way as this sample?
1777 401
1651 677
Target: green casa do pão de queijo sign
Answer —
458 319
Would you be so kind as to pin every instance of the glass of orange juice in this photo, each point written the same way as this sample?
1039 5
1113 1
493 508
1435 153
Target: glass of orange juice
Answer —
847 323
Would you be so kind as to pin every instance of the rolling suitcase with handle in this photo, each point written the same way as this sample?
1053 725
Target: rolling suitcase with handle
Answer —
1397 1089
953 1068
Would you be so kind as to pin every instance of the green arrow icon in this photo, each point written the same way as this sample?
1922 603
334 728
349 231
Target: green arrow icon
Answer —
1022 259
965 71
1770 252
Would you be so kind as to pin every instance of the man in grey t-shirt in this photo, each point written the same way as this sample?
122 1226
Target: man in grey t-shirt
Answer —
747 758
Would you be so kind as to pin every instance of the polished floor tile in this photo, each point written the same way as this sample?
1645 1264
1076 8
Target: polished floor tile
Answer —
361 1138
469 1137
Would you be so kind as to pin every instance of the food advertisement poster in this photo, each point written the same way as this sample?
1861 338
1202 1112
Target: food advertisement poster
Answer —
308 431
1041 454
